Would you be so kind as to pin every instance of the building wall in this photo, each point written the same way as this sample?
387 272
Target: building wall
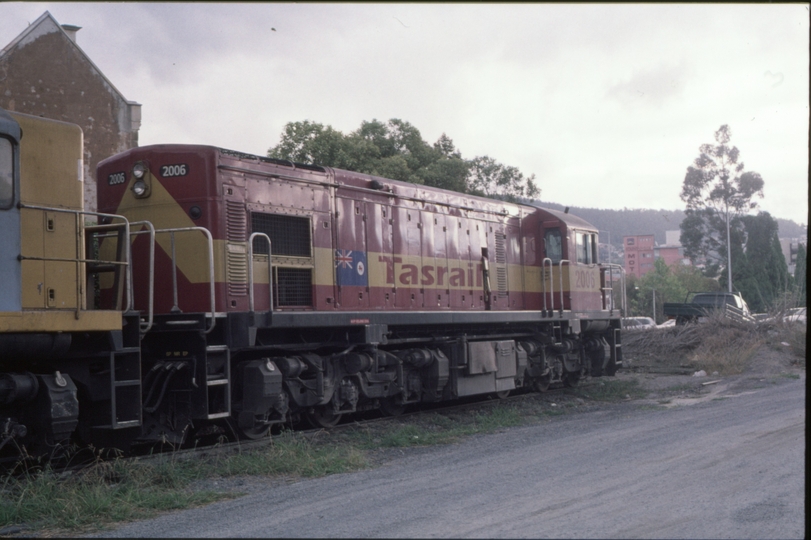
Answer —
789 247
638 254
43 72
670 254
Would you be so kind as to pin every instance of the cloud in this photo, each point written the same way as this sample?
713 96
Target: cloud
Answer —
650 87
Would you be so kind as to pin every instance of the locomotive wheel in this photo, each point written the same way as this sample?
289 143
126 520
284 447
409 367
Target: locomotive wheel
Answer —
258 431
571 379
504 394
542 384
390 407
322 417
611 368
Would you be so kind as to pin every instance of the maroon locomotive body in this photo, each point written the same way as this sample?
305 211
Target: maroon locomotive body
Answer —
339 291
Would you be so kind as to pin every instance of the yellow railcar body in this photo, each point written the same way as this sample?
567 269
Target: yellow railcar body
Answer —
51 175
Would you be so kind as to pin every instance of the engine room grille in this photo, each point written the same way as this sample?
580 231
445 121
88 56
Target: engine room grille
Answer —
289 235
293 287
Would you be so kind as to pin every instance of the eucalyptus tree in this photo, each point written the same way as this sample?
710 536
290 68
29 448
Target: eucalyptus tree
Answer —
717 193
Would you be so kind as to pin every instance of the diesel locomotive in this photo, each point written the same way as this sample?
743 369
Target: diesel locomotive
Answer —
221 292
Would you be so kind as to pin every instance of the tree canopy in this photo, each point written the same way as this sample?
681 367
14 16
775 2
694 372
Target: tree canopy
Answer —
759 269
716 191
397 150
668 283
800 275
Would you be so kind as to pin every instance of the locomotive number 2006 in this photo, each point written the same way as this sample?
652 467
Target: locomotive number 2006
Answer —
585 280
116 178
174 170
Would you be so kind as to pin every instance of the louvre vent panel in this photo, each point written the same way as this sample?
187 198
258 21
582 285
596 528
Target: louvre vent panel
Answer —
235 221
237 269
501 263
501 248
236 257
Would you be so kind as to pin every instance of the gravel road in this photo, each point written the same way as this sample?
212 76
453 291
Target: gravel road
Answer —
732 467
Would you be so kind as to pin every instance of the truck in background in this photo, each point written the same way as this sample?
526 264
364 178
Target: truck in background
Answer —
698 305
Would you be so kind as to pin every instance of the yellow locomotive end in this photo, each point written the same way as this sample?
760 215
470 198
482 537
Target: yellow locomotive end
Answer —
50 198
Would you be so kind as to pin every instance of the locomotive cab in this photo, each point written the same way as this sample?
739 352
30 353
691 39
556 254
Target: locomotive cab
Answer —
573 278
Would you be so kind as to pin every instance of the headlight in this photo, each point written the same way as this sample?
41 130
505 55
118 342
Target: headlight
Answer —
139 188
139 170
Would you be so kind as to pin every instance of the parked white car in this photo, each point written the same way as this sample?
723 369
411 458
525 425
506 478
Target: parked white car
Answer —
638 323
795 315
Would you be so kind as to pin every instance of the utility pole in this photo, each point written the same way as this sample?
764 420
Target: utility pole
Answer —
729 255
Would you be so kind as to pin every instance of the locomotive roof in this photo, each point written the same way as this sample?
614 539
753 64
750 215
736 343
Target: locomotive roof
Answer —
377 183
570 220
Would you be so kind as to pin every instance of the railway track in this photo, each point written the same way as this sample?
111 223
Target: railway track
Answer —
76 460
372 418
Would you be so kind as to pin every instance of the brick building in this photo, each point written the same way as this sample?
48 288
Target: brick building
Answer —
638 254
44 72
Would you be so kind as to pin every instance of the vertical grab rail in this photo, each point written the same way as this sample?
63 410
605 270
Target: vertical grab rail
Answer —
623 300
250 272
210 265
560 279
543 283
151 232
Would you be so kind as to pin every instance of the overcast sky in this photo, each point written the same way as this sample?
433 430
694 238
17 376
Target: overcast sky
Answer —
606 104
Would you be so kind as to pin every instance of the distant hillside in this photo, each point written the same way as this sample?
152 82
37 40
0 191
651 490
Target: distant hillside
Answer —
630 222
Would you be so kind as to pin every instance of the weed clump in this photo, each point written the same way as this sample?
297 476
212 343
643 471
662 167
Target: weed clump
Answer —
716 344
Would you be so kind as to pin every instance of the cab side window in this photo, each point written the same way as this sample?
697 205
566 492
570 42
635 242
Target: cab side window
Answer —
586 246
553 246
6 174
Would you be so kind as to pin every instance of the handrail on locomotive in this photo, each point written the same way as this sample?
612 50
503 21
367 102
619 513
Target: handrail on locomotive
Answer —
81 229
250 271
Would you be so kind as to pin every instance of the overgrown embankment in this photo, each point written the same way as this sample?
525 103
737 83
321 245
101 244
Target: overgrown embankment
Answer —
717 345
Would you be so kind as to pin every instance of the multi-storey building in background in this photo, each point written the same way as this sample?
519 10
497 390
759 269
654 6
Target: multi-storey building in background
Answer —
43 72
639 254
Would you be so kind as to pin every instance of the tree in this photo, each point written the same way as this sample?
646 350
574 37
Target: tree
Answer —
717 192
759 270
396 150
799 274
310 142
693 280
663 283
490 178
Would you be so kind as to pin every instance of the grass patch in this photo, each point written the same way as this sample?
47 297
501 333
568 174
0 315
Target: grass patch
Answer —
293 454
789 375
106 492
435 428
652 407
125 490
610 390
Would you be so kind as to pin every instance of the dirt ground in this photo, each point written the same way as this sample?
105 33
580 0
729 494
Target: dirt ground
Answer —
672 387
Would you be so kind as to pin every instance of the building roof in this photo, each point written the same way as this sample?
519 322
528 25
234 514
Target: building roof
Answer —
46 24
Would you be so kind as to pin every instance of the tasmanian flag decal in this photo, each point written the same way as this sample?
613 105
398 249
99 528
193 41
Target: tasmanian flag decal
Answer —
350 268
